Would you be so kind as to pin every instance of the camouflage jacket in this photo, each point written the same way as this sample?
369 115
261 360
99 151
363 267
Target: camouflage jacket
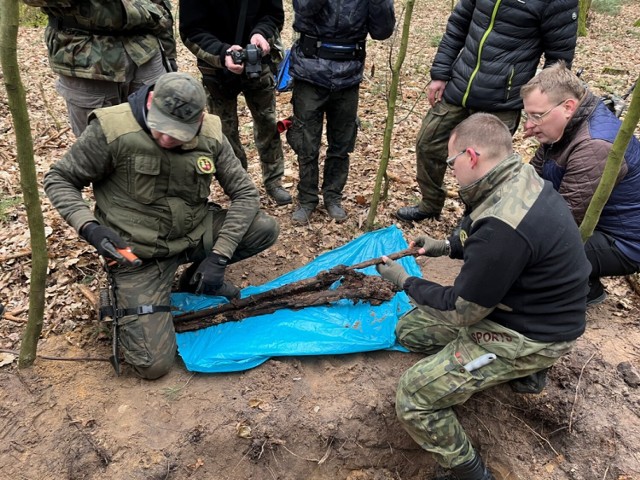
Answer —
524 262
88 38
155 198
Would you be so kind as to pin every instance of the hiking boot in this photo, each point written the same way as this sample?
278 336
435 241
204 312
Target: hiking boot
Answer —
596 293
533 383
280 195
302 215
336 212
414 214
474 469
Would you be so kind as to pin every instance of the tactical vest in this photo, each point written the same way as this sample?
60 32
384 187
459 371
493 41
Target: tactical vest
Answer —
155 198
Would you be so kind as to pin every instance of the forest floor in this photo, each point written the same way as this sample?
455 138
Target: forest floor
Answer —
318 417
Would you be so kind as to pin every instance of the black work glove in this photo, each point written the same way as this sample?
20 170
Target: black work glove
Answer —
431 246
103 239
209 276
392 272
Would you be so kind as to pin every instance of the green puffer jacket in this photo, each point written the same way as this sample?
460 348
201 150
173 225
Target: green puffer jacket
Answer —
155 198
88 38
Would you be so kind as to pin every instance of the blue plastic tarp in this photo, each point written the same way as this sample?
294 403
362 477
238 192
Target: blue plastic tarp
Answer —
340 328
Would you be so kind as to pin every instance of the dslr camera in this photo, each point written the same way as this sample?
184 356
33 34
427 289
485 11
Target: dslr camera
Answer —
251 56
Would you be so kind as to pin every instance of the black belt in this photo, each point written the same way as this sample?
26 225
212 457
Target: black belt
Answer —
330 49
109 311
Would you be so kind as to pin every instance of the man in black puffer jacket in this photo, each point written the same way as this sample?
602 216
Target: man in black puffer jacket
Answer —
489 50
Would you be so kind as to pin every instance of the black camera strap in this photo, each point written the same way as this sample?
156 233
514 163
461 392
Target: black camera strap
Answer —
241 21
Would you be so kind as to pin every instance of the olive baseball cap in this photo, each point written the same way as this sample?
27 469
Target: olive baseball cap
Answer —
177 106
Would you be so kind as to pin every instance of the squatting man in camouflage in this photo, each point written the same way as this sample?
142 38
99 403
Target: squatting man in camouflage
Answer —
517 305
151 162
103 50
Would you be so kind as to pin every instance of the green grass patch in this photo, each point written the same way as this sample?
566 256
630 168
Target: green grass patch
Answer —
6 205
32 17
607 7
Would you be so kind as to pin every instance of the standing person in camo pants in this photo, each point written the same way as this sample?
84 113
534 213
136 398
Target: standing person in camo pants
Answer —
103 51
327 63
488 51
517 305
211 29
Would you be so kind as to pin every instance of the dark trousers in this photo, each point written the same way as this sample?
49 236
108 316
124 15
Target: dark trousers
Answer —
310 105
606 261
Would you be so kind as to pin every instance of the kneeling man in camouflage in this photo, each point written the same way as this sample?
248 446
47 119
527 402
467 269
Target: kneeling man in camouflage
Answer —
151 162
517 305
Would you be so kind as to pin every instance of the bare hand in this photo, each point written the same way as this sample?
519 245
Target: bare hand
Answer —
435 91
260 42
228 61
528 132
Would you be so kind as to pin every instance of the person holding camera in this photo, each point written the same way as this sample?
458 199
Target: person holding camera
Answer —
151 162
231 41
327 63
517 305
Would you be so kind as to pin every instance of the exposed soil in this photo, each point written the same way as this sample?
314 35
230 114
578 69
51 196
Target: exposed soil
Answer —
329 417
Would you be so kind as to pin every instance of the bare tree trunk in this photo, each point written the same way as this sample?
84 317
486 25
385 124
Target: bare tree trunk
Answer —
583 12
391 111
612 167
9 17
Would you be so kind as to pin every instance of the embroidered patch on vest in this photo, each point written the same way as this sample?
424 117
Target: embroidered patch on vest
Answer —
205 165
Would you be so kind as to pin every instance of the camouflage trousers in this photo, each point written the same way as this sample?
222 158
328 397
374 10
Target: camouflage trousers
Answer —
428 390
83 95
148 340
310 104
431 149
259 95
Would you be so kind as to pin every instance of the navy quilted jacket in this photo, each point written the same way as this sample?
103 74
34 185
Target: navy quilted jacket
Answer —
338 20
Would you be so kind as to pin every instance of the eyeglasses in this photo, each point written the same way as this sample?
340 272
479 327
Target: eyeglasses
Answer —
452 160
538 118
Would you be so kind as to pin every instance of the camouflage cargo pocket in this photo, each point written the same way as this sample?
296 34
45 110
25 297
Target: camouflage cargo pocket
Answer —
133 341
438 378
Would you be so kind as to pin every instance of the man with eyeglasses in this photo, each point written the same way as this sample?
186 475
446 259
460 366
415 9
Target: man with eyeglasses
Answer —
488 51
577 131
517 305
